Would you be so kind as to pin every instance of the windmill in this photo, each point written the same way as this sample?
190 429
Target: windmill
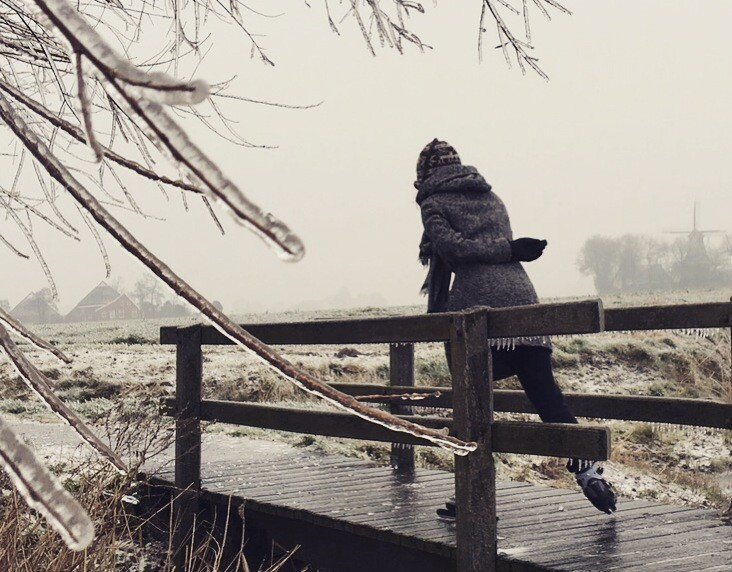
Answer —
696 268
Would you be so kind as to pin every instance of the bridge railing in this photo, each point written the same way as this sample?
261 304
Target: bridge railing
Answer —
471 397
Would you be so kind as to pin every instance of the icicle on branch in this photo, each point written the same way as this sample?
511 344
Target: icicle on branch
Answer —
236 333
40 385
43 491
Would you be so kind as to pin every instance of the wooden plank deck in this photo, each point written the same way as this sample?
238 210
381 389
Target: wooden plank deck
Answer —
539 529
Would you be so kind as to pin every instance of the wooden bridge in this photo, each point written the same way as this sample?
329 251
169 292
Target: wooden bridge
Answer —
349 515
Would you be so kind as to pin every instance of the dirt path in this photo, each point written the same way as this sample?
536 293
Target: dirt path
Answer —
55 442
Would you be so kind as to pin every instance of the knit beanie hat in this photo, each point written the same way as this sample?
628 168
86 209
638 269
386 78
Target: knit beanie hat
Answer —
435 154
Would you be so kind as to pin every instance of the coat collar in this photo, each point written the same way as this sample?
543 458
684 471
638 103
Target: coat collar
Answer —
451 178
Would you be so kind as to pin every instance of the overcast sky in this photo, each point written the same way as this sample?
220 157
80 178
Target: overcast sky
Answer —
634 125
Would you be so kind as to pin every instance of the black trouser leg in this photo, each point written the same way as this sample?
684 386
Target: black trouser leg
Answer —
533 367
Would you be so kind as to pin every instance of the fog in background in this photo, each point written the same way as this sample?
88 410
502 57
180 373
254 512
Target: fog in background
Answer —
634 125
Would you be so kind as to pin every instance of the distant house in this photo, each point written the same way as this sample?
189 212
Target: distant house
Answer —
36 308
121 308
104 303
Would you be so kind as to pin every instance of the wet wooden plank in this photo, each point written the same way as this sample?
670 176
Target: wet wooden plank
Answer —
648 548
679 411
378 484
695 412
288 476
538 319
396 329
676 316
608 532
581 317
401 373
550 439
550 539
354 528
679 555
573 523
443 400
475 474
711 567
348 475
311 474
570 512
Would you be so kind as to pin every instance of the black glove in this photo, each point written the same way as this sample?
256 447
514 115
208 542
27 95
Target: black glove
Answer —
527 249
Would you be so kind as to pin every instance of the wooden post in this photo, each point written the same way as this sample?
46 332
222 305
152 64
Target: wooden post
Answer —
401 372
187 440
475 477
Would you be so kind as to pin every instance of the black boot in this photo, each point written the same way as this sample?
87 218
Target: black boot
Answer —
448 514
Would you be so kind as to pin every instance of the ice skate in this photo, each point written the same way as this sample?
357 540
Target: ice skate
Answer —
597 490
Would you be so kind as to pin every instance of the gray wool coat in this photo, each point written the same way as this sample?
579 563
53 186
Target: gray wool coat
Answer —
468 227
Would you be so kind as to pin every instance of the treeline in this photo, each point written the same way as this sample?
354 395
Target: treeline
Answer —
154 301
638 263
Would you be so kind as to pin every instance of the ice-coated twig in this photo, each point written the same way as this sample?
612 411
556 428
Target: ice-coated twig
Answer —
236 333
24 332
86 107
33 244
30 208
507 38
78 134
51 199
43 491
99 241
173 141
212 214
41 386
82 37
9 245
142 93
398 396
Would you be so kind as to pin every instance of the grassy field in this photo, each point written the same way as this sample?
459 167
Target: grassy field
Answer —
120 366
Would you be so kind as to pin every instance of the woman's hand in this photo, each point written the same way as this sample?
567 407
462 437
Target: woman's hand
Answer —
527 249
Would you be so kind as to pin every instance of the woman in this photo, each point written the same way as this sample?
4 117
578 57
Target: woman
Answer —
467 232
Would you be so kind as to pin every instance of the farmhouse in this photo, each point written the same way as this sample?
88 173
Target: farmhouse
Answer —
104 303
35 309
121 308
